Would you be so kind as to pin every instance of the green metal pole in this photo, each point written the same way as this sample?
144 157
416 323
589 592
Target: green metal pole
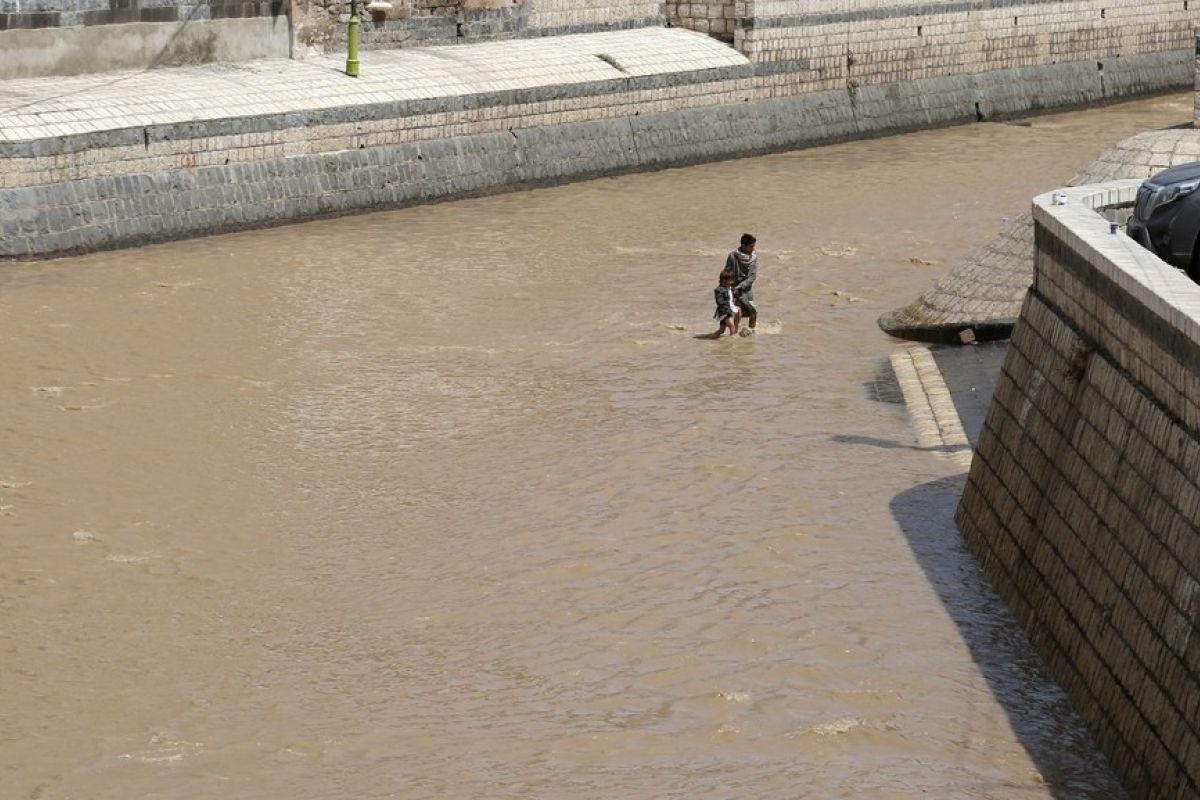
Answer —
352 43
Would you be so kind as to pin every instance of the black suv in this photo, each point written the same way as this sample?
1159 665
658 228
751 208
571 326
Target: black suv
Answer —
1166 219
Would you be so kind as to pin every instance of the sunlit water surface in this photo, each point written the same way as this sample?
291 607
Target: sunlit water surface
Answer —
449 502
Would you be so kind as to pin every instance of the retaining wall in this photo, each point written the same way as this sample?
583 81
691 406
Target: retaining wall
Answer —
855 43
123 187
321 24
714 17
837 43
74 37
801 77
983 293
1083 498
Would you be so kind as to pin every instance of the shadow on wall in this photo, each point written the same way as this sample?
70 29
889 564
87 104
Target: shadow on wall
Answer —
177 51
1038 710
888 444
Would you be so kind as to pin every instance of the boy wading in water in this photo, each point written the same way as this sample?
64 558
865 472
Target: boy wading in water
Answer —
727 314
742 264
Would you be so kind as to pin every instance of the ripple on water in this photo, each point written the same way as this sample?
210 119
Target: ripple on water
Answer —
449 502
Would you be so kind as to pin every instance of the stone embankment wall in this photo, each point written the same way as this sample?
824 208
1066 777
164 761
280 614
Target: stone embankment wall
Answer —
714 17
797 77
321 24
840 44
1083 500
984 292
73 37
1080 49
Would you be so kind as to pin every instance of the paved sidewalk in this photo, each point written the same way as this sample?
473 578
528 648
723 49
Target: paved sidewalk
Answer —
38 108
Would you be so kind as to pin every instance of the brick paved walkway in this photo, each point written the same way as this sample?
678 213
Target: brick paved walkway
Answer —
32 109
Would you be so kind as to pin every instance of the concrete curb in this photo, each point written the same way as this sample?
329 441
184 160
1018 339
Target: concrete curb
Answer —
930 405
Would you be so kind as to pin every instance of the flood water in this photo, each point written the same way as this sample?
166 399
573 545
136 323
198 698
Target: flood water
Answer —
449 502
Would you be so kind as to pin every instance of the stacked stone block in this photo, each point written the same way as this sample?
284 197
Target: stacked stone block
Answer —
1083 502
985 291
553 17
673 117
71 37
418 23
714 17
851 44
810 76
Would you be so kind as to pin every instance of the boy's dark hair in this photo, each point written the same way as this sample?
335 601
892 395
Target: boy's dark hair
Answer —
748 238
725 274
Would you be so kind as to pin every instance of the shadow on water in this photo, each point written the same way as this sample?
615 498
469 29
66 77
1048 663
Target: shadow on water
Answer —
1038 710
888 444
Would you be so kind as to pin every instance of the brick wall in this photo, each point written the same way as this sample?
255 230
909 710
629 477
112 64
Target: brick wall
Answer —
568 16
837 43
321 24
1083 499
776 98
70 37
714 17
415 23
854 43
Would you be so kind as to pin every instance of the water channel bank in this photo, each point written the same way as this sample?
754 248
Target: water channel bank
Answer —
268 535
102 161
1082 500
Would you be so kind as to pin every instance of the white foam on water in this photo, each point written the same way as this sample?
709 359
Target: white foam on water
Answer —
130 558
838 251
164 750
771 328
835 728
734 697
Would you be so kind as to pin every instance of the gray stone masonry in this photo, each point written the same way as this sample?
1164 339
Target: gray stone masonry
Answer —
111 161
984 292
1082 502
714 17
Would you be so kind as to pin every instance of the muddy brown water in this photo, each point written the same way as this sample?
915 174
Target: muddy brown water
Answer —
448 502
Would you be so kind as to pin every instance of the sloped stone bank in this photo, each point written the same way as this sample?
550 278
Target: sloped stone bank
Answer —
130 186
89 161
983 294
